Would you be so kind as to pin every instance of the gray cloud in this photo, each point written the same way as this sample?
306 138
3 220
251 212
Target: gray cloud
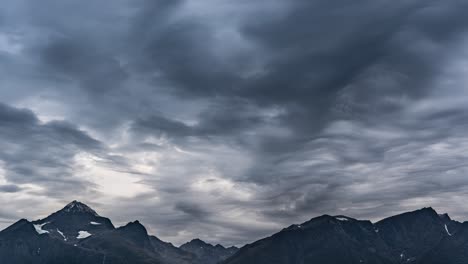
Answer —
194 211
233 119
9 188
33 152
96 71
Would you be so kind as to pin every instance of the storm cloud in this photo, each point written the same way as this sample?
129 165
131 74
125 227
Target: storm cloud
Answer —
230 120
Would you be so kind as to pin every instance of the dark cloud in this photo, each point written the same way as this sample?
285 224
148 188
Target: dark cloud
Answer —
9 188
159 125
74 60
229 120
234 119
194 211
41 153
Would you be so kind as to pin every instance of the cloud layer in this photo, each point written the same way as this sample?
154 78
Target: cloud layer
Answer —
227 121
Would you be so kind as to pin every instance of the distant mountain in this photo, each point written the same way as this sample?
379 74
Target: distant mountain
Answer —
420 237
78 235
207 253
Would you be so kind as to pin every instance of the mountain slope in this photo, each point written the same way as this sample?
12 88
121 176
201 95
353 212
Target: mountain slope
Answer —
127 244
325 240
74 222
206 253
21 244
77 234
411 235
451 249
422 237
171 254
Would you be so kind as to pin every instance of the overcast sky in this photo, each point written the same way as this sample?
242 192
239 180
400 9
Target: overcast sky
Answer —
229 120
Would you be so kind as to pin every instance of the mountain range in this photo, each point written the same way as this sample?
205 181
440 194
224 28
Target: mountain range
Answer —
77 235
419 237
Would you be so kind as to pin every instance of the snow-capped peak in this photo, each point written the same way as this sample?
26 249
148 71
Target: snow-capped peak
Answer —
78 207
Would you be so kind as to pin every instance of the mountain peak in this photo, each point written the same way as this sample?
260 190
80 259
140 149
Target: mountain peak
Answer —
424 213
428 209
78 207
207 253
197 241
135 227
445 217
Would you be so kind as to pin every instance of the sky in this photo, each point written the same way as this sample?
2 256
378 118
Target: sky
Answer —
229 120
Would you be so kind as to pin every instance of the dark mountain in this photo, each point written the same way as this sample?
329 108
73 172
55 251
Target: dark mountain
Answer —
172 254
21 244
78 235
452 249
128 244
206 253
74 222
325 240
421 237
132 244
412 235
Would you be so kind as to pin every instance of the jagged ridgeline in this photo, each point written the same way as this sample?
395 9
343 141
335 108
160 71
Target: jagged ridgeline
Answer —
78 235
419 237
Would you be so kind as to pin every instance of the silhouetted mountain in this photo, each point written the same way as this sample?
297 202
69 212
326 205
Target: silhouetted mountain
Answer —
78 235
324 240
207 253
412 235
21 244
170 253
452 249
421 237
74 222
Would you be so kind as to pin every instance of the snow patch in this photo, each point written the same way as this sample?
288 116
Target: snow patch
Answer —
95 223
83 234
342 218
446 229
64 237
39 229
